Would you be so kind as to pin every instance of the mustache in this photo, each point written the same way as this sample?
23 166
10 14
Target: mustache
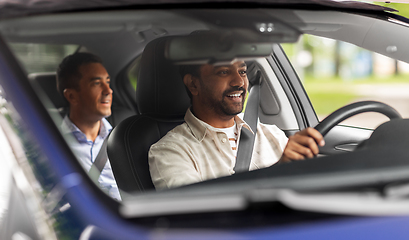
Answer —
234 89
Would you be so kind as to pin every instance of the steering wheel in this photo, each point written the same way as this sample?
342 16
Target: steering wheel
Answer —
353 109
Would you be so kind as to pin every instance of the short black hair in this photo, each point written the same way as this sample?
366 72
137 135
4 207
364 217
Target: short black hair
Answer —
194 70
68 74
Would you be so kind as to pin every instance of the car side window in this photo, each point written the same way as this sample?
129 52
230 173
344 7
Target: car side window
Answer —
336 73
37 58
40 63
133 71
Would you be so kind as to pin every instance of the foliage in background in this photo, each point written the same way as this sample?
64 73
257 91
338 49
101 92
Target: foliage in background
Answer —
403 8
329 94
328 79
36 58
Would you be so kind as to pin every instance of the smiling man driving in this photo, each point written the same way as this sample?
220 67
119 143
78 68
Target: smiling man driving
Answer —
205 146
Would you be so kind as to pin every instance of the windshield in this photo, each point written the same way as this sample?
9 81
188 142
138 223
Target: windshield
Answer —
123 73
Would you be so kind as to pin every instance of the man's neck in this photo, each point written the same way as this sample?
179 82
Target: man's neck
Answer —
217 122
89 127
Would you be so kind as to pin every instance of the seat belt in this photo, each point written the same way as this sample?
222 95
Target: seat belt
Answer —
99 163
246 141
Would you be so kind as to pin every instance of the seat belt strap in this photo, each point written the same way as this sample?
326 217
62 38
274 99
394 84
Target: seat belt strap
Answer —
246 141
100 161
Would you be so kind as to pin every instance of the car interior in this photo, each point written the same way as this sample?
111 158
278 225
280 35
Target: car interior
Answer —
141 117
302 52
162 102
160 94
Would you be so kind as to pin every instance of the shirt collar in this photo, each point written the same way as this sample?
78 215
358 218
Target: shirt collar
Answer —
105 128
69 127
199 128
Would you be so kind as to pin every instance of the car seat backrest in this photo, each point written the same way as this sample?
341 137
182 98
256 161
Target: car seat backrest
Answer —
160 90
47 82
162 102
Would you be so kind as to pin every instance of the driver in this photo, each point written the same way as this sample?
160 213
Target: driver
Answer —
205 145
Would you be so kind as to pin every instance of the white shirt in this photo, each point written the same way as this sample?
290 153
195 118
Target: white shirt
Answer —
86 151
195 151
232 135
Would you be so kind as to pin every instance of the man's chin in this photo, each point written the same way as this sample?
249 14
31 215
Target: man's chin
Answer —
233 112
106 114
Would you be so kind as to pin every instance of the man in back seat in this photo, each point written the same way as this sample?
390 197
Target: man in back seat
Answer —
204 147
85 84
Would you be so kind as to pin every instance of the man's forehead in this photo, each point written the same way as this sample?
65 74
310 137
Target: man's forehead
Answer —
238 64
92 70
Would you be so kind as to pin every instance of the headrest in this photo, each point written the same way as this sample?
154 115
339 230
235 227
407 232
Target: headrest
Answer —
160 89
48 83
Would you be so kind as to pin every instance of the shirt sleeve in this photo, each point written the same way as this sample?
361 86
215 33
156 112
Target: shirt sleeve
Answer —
269 146
172 165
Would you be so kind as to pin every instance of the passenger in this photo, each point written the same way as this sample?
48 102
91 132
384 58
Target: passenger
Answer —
204 147
85 83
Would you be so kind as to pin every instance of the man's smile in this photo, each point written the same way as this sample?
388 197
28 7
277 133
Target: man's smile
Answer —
235 96
106 101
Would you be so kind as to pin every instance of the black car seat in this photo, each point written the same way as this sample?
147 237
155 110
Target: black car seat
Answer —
162 101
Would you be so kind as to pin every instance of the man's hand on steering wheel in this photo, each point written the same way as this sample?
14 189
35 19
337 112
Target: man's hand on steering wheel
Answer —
302 145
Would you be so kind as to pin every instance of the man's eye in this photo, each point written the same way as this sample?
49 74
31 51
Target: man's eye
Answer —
243 72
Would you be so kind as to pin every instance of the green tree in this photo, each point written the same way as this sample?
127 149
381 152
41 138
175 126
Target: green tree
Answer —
403 8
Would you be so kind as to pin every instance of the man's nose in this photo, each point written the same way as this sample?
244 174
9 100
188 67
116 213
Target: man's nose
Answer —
238 80
107 89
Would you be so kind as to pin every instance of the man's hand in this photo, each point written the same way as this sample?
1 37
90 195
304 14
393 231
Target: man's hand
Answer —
303 144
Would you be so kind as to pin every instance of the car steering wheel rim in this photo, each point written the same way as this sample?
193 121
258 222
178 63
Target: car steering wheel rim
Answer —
353 109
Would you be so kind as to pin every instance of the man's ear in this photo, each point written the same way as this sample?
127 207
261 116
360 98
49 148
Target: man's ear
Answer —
71 96
192 83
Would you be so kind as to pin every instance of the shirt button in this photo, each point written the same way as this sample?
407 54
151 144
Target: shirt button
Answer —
224 140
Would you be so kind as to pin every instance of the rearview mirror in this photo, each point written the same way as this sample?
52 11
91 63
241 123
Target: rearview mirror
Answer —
214 48
230 39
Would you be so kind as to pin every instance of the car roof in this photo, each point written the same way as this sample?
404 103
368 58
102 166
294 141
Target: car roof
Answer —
16 8
359 25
